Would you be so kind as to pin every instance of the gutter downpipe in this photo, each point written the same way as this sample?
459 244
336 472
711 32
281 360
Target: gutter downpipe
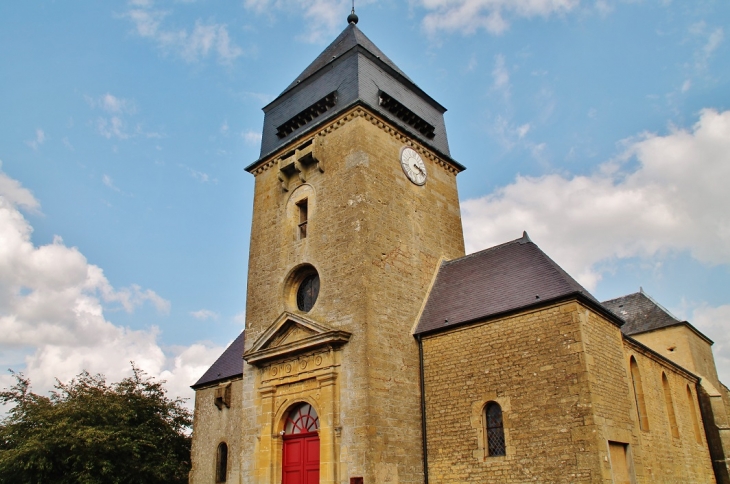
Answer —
424 440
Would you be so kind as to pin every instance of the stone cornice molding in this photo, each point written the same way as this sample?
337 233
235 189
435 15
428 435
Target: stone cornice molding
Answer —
358 110
265 348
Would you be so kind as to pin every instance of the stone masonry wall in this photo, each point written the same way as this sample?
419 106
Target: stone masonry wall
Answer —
213 426
531 364
561 375
660 456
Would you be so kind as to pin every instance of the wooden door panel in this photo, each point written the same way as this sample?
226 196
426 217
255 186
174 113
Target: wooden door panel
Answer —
301 460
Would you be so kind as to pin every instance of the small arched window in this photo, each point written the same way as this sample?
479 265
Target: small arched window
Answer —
302 419
494 429
221 463
670 406
639 395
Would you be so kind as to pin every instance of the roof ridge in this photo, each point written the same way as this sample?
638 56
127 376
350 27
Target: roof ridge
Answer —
522 240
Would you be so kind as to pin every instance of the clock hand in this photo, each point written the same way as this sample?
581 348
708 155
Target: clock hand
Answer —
419 169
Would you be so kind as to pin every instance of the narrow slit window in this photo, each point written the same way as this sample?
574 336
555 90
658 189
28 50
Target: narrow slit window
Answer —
221 465
670 406
303 218
639 395
495 430
693 413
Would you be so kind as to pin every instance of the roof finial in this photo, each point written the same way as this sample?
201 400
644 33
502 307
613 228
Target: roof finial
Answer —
352 18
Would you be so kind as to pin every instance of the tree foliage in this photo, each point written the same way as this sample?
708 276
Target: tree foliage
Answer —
88 431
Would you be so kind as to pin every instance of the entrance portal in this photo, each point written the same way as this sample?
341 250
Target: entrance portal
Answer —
301 446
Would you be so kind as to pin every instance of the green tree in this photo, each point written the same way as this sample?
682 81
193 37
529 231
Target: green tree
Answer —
88 431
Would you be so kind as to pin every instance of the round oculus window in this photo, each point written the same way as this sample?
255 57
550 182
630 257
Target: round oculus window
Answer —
308 292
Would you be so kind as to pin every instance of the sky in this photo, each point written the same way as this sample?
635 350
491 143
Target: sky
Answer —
601 127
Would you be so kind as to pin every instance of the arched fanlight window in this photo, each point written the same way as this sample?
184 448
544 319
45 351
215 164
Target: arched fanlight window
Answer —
495 429
221 463
308 292
302 419
639 395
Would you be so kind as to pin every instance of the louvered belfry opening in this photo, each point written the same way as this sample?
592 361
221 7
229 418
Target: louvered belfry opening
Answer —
306 115
406 115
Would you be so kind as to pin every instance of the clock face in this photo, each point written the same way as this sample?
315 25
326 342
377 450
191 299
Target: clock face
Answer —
413 166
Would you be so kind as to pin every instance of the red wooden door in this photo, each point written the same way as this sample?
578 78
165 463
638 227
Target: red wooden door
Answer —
301 459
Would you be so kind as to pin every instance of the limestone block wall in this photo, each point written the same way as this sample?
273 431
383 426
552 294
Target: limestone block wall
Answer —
532 365
213 426
661 456
684 347
562 377
375 239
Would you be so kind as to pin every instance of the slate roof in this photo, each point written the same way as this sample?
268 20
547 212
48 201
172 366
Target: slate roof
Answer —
515 275
353 71
643 314
228 365
348 38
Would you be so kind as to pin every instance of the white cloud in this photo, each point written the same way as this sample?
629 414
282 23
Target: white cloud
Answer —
675 200
468 16
686 85
204 314
251 137
523 130
15 194
114 104
107 180
500 74
113 127
321 17
52 304
713 42
224 129
240 318
205 39
40 138
712 39
200 176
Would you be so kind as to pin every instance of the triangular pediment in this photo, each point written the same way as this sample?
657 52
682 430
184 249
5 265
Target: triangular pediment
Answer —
291 334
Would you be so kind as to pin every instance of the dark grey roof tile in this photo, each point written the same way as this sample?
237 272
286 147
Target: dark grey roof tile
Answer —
501 279
641 313
228 365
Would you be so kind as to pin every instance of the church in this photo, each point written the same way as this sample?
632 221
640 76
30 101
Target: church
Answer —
377 352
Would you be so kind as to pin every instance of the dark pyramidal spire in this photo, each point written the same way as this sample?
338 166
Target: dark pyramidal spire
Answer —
352 71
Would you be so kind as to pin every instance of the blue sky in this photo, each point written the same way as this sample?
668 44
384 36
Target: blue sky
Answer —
600 127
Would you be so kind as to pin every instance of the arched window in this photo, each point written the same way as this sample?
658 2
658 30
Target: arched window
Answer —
302 419
495 429
693 412
639 395
670 406
221 463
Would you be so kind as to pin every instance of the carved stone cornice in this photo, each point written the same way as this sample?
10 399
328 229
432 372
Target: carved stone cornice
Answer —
291 334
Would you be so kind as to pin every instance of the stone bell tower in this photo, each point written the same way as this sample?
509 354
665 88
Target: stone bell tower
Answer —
355 204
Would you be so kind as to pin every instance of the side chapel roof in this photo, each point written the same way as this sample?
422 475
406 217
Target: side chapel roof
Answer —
643 314
228 365
505 278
